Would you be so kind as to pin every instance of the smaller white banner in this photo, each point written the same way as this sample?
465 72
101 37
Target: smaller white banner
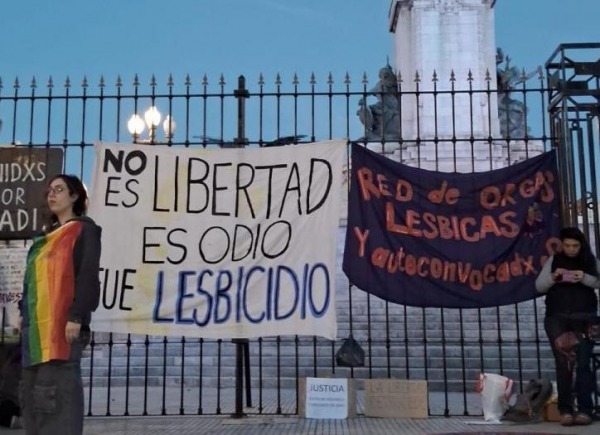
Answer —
326 398
12 269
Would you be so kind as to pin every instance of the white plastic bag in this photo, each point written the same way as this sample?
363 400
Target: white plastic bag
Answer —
495 391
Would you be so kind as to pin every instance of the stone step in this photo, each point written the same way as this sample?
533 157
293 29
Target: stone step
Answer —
452 380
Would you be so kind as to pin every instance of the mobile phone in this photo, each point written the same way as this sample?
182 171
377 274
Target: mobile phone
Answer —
568 276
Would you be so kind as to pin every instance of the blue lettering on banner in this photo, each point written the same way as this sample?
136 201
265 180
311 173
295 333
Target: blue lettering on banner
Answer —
223 296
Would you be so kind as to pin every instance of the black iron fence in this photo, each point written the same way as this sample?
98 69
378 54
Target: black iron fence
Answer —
145 375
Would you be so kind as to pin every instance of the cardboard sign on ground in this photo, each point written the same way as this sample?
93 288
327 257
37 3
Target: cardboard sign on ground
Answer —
395 398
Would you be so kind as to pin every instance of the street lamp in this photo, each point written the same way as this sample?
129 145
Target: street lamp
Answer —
151 120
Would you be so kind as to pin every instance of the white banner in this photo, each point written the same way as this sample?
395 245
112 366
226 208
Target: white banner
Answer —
233 243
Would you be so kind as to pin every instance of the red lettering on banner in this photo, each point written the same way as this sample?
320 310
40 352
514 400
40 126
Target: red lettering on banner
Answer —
436 268
379 257
503 273
510 229
365 181
488 225
432 226
404 192
527 188
464 270
491 197
547 194
362 240
382 183
463 229
449 271
443 194
476 280
429 220
411 265
392 266
422 262
488 270
412 219
403 189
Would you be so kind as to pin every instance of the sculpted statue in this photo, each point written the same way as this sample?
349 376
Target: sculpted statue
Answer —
382 119
511 112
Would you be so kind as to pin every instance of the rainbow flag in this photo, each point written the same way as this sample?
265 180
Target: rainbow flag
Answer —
48 294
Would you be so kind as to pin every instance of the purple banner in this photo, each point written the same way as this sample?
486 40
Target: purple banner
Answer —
434 239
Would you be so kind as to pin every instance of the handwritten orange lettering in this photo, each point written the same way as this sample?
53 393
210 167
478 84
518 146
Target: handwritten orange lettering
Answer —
410 265
382 183
436 268
420 270
488 272
365 181
489 198
463 230
476 280
379 257
404 191
488 225
362 240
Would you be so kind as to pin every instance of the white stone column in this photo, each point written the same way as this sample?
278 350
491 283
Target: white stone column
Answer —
451 38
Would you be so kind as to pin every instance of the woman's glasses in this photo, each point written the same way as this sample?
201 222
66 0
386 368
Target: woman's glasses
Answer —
55 190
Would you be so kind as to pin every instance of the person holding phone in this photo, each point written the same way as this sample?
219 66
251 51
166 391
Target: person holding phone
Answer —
569 279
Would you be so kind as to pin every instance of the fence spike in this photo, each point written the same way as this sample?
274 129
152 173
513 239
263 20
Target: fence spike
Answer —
295 80
365 80
50 84
1 83
84 84
153 81
222 80
330 79
136 81
417 77
470 75
523 75
119 81
434 78
347 79
261 79
170 81
278 79
102 83
204 80
488 76
188 80
33 83
313 79
452 76
399 77
540 71
68 82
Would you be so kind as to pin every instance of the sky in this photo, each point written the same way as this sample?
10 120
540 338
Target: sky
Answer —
74 38
118 38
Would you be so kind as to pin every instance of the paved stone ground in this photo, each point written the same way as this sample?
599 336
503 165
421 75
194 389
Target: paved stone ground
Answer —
295 425
259 424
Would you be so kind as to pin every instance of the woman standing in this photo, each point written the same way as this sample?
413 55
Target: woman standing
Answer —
569 280
61 290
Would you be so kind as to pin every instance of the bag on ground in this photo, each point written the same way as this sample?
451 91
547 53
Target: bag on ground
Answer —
529 405
350 354
495 391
